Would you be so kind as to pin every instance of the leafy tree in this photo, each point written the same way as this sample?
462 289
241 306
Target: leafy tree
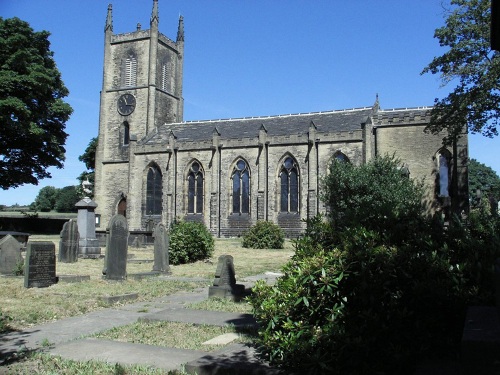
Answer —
32 111
376 195
66 199
484 179
88 157
475 101
45 201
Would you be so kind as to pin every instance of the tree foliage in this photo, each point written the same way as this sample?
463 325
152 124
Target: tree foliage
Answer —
364 295
88 157
484 183
66 199
45 201
475 102
32 111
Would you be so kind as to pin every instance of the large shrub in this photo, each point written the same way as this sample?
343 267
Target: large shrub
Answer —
375 297
264 235
189 242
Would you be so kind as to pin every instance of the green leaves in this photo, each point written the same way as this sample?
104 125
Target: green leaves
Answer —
470 62
189 242
264 235
32 113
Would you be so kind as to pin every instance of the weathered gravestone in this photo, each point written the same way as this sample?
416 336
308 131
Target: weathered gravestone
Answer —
225 282
10 255
40 265
115 261
89 244
161 245
69 243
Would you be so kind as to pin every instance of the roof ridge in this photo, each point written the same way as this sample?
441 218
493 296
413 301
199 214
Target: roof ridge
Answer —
276 116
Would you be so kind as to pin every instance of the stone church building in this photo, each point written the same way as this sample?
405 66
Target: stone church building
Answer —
151 166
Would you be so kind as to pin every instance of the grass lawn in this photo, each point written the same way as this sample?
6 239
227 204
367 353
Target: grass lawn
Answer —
28 307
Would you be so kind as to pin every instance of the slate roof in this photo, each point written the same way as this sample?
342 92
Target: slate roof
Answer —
248 127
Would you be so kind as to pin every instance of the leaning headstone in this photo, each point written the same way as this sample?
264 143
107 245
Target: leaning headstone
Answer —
40 265
115 262
10 255
69 242
225 282
161 263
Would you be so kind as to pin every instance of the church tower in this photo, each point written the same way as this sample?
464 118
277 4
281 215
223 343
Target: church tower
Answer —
141 90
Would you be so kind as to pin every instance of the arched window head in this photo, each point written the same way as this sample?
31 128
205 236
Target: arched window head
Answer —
130 71
289 178
340 156
443 160
241 188
195 189
153 191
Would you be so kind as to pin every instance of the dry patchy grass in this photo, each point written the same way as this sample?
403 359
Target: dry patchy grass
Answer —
32 306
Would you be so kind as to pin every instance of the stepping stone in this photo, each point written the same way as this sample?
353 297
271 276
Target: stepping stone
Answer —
222 339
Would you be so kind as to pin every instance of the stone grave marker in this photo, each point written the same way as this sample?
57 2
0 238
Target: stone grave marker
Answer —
10 255
40 265
225 282
161 247
69 242
115 261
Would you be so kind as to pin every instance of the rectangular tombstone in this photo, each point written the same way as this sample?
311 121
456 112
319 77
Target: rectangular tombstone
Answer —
69 243
225 282
10 255
115 261
40 265
161 246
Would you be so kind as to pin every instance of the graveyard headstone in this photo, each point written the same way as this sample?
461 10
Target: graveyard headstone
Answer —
161 248
40 265
115 262
10 255
225 282
89 244
69 242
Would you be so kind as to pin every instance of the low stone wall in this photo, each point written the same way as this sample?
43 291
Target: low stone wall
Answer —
32 225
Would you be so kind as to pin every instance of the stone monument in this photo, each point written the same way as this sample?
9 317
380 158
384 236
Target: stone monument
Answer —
161 247
69 242
115 262
89 244
40 265
225 282
10 255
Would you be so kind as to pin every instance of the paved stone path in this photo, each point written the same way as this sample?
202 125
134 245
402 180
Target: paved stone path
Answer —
66 340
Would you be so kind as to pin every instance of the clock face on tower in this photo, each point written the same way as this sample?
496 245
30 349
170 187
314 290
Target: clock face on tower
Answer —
126 104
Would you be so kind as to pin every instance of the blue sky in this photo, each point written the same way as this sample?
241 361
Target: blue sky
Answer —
251 58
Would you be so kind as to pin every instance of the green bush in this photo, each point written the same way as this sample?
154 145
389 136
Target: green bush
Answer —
189 242
364 298
264 235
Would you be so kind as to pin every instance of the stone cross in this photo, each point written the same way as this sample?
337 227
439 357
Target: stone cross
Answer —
161 248
10 255
115 262
69 242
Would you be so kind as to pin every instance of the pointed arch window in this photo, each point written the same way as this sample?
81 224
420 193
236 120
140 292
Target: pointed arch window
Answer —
195 189
289 179
444 173
130 73
153 191
340 156
241 188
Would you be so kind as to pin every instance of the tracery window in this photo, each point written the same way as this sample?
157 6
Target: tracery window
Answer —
130 73
241 188
289 178
195 189
153 191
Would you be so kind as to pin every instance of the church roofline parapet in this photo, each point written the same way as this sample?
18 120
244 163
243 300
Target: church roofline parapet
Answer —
278 116
402 116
